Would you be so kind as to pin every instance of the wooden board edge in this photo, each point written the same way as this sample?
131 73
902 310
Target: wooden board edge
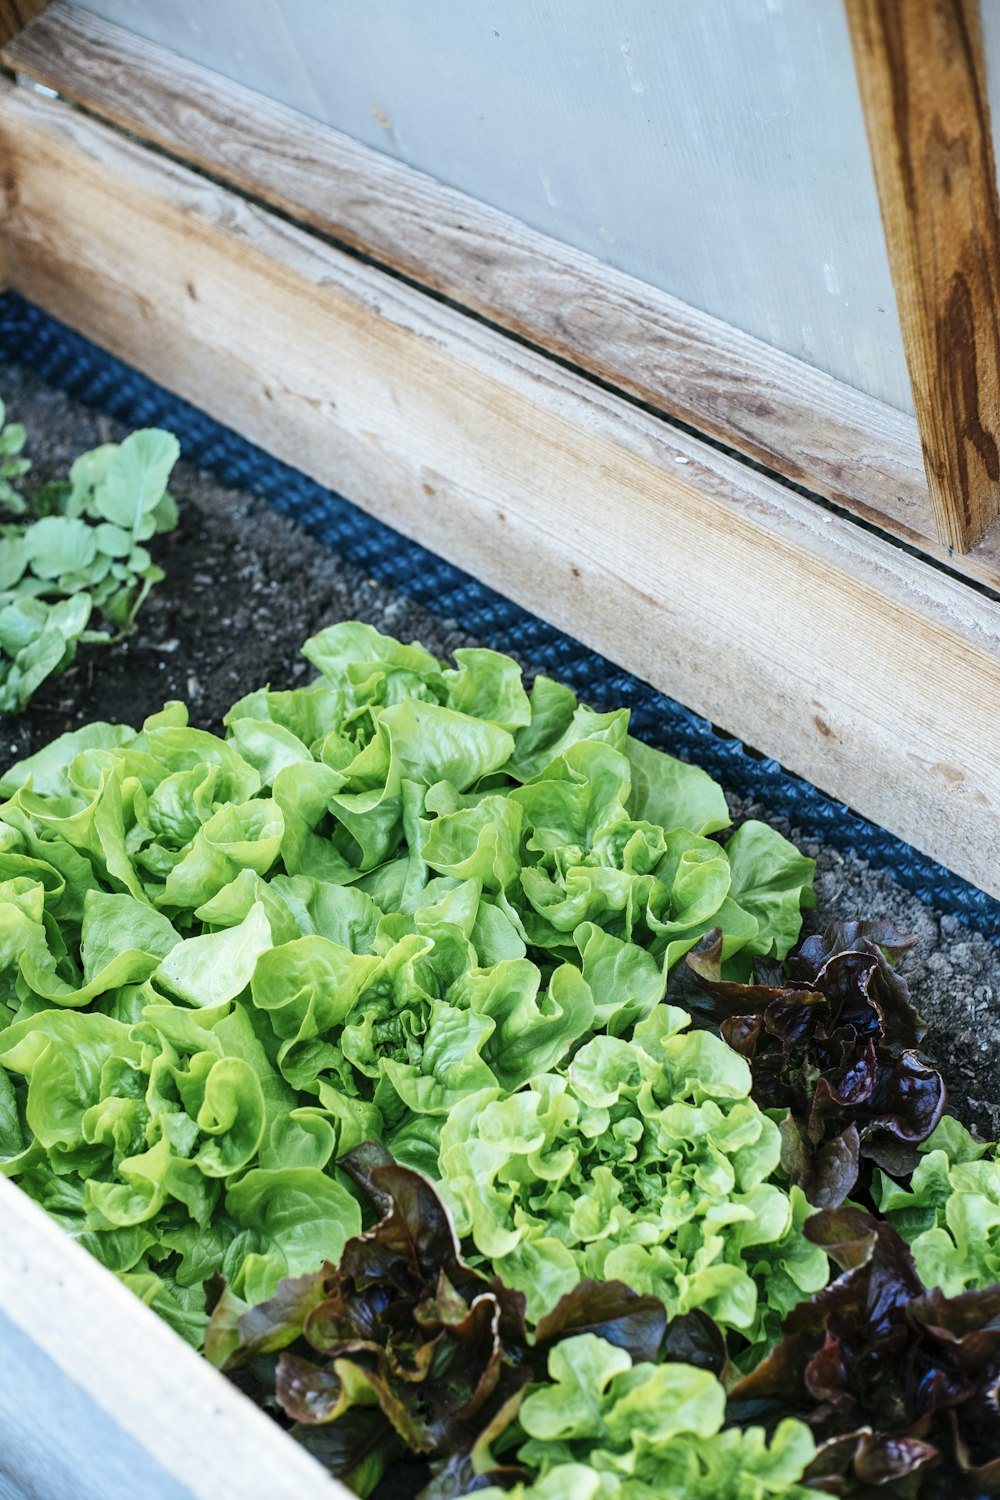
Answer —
192 1422
15 15
779 411
922 79
867 671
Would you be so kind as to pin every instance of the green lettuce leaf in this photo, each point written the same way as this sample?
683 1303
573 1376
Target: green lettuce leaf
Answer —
771 881
644 1161
409 902
604 1427
950 1211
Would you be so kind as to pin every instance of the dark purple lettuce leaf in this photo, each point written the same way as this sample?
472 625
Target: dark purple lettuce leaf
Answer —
358 1451
813 952
899 1384
836 1043
478 1467
611 1310
694 1338
405 1336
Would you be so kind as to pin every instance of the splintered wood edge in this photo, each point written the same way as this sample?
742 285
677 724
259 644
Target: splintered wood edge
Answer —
866 670
922 78
779 411
190 1420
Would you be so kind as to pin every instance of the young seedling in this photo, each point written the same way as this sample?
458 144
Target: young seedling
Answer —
77 555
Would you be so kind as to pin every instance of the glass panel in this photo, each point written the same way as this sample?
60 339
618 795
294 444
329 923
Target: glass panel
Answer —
715 148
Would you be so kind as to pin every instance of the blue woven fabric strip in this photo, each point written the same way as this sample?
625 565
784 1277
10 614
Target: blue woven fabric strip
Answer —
68 361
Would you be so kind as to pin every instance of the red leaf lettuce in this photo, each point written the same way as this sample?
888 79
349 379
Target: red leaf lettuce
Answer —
898 1383
402 1346
835 1041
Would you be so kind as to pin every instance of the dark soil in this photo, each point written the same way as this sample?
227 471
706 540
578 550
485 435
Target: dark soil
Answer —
245 587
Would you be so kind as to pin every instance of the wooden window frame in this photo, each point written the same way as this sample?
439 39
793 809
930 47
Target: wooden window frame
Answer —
841 444
922 76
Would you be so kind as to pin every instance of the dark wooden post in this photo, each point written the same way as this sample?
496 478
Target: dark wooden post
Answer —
923 87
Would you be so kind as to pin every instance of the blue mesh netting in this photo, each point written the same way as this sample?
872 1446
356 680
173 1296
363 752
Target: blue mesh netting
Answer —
69 361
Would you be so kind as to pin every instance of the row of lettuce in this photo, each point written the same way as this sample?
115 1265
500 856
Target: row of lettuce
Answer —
412 925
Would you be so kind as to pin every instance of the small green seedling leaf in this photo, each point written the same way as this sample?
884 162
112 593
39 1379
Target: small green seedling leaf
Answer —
59 544
79 553
113 541
136 477
13 560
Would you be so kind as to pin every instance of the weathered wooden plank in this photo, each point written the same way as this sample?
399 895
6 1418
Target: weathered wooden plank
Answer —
124 1398
15 14
784 414
870 672
923 85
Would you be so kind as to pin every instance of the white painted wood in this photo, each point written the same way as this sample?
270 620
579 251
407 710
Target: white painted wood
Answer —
57 1441
100 1400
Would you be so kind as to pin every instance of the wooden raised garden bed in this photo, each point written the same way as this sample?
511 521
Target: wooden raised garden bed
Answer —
808 568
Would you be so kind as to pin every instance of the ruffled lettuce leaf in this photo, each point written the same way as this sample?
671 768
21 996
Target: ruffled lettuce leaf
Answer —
644 1161
950 1211
834 1045
402 1345
145 1140
604 1428
897 1382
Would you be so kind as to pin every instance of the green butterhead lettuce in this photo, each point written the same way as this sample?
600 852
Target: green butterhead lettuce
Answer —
606 1429
147 1139
950 1213
404 896
643 1161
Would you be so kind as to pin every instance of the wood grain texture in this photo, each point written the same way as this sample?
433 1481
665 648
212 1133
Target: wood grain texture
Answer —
923 86
127 1383
15 14
866 670
695 155
782 413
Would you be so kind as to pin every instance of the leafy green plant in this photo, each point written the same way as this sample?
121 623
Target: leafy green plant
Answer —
12 465
403 1347
644 1161
950 1211
224 963
605 1428
81 554
168 1139
834 1047
898 1382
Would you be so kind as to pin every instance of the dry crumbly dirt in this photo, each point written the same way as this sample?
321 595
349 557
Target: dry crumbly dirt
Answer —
245 587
